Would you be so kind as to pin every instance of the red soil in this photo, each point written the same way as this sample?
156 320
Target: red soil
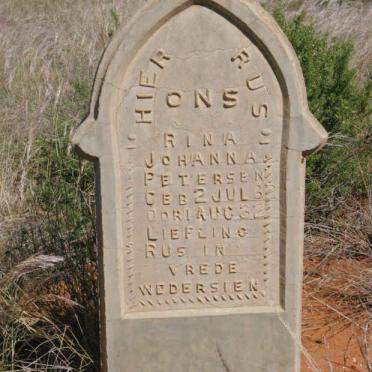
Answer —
332 352
333 336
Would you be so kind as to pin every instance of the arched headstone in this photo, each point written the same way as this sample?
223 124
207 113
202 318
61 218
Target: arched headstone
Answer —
198 125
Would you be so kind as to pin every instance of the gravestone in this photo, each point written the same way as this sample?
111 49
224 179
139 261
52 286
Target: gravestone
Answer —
198 126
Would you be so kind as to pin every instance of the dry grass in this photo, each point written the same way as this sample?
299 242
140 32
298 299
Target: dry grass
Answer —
338 277
45 46
30 340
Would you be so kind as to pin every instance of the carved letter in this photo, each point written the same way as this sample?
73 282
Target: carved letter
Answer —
199 198
255 83
150 163
149 176
173 288
159 57
189 269
150 198
165 180
183 178
232 268
150 250
149 237
173 269
145 80
145 289
203 97
230 98
260 110
228 138
143 113
145 96
242 58
174 99
207 140
169 140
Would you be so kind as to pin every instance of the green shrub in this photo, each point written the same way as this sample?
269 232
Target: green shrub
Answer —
340 170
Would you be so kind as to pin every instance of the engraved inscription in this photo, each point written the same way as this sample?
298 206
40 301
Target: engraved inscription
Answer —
201 130
241 58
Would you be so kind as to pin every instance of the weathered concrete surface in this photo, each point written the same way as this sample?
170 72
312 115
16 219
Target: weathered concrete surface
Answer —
198 125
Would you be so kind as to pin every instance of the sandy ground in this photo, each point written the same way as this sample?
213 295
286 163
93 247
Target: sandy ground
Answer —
333 339
332 352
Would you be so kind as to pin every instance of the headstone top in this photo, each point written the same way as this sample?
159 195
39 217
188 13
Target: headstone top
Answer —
198 124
